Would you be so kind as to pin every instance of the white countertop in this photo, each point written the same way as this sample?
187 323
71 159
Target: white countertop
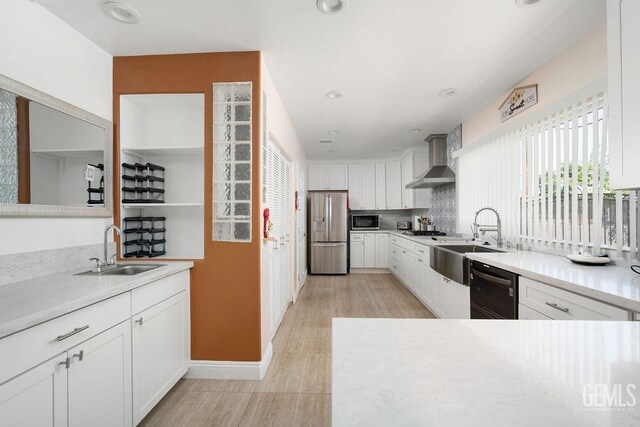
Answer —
29 302
410 372
612 284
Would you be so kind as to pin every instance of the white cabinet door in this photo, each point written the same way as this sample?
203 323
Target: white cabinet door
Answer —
442 306
36 398
355 187
357 254
382 250
317 177
394 185
420 275
160 352
99 386
368 186
407 177
381 186
430 287
337 177
623 33
370 250
460 301
409 262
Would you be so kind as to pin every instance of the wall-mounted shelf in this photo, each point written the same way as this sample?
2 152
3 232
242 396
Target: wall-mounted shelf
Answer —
64 154
164 151
166 130
164 205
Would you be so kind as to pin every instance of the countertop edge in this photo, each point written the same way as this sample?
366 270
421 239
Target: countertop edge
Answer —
26 322
595 294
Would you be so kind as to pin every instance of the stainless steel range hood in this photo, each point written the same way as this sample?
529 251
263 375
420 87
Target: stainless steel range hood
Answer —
439 173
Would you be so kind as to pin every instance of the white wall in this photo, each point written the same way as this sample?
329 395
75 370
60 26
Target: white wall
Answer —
279 125
575 68
39 50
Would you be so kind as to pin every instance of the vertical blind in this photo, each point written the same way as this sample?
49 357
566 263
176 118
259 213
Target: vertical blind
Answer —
549 181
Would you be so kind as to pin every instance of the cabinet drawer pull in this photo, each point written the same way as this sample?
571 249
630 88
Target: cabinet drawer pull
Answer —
421 251
140 320
75 331
419 260
80 355
557 307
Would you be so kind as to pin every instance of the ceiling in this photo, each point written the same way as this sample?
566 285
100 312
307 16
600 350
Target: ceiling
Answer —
389 58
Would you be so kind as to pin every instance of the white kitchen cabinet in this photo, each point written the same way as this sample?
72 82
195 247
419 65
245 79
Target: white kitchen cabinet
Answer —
421 264
393 173
362 187
429 278
36 398
443 295
357 254
623 50
413 164
382 250
328 177
380 186
99 379
369 250
460 301
407 176
160 351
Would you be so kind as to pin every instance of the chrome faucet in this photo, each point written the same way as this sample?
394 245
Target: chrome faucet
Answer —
477 228
107 263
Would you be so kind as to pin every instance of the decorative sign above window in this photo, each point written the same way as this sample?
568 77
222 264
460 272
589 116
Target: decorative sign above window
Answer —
520 99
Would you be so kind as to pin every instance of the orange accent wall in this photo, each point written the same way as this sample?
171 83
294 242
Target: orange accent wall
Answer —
225 286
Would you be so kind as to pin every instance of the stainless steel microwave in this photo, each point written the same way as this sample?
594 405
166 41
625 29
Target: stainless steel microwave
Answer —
365 222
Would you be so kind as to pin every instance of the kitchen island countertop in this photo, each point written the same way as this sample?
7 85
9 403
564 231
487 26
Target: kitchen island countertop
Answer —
407 372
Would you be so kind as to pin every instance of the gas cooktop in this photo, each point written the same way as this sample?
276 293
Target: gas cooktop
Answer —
424 233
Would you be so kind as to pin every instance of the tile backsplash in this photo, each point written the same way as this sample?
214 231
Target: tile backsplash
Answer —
443 199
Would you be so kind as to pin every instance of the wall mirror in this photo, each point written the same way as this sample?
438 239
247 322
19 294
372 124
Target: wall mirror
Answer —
55 159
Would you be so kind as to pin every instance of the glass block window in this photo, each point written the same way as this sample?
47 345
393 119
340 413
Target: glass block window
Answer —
232 162
8 148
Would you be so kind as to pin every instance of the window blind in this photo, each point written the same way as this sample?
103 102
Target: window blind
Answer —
549 180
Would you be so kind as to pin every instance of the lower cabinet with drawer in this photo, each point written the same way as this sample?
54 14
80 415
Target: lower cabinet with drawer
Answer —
96 366
538 301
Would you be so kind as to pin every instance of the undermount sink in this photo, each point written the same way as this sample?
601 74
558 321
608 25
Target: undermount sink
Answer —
123 270
451 262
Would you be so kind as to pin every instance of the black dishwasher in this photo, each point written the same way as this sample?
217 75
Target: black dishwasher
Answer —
494 292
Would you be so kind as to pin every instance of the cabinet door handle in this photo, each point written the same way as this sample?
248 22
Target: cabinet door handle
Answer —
557 307
140 320
80 355
69 334
66 362
419 260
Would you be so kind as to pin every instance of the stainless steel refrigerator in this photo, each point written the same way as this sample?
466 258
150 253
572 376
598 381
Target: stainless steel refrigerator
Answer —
328 234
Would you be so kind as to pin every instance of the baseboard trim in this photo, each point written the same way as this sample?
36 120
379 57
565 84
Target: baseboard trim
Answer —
219 370
370 270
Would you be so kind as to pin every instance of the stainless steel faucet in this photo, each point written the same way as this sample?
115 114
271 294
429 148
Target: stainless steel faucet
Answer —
477 228
107 263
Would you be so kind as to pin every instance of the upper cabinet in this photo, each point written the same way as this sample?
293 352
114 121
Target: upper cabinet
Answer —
362 187
394 184
623 50
381 186
328 177
413 164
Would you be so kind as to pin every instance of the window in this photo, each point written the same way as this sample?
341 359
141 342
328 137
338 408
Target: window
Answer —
549 180
232 162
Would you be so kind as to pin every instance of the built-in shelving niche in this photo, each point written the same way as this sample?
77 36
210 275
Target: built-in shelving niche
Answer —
168 130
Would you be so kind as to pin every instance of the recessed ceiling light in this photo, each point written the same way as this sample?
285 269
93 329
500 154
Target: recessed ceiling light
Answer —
416 130
333 151
334 132
120 12
448 92
331 6
334 94
525 3
325 141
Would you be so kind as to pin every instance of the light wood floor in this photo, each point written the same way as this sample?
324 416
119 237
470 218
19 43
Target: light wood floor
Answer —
297 388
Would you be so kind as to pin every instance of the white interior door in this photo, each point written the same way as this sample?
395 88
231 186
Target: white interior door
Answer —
281 207
301 231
